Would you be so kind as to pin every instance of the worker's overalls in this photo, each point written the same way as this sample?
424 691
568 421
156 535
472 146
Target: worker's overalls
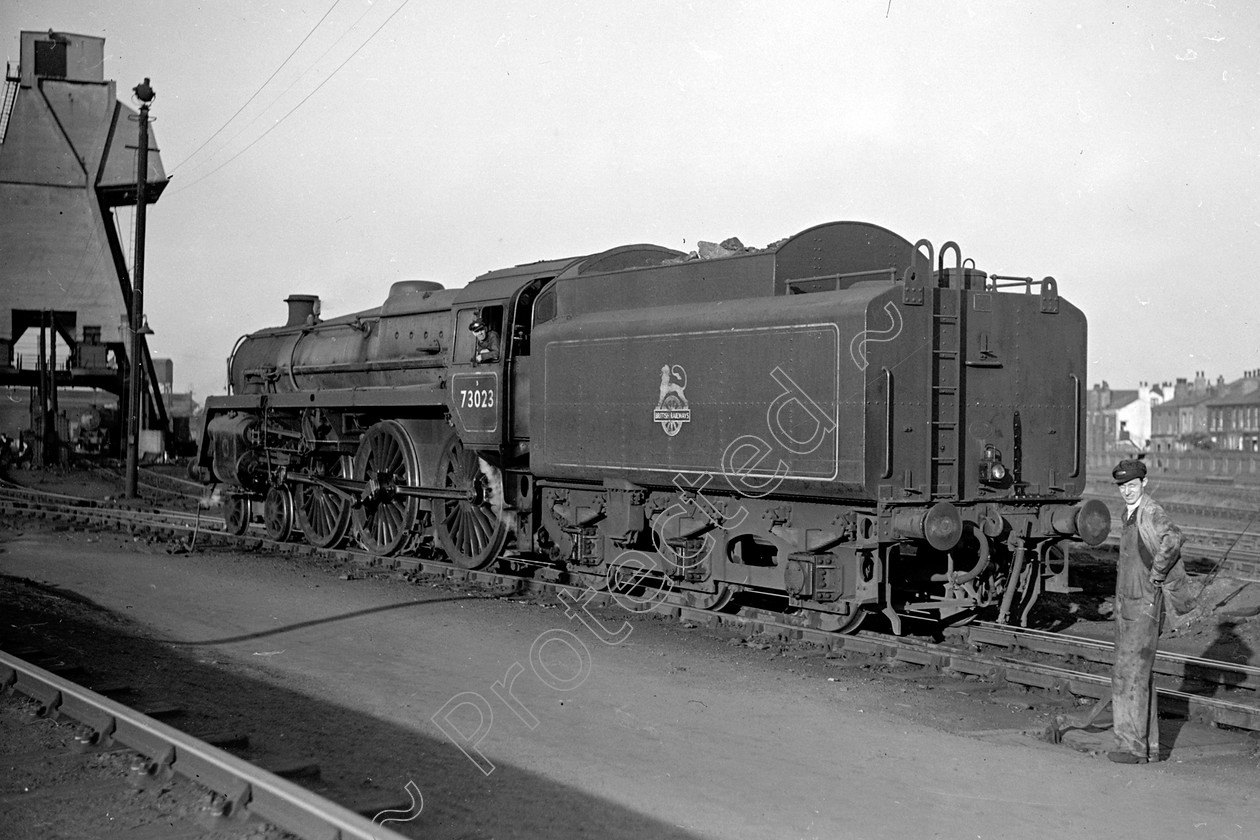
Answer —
1139 613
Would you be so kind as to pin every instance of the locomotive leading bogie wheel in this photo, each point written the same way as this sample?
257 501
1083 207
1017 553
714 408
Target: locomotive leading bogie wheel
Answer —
384 521
236 511
278 514
472 531
322 515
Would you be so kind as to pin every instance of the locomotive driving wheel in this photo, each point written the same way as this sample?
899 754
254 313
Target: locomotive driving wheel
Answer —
236 510
472 531
384 520
278 514
322 515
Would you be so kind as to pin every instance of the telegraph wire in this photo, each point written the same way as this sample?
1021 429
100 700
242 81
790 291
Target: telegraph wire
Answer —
292 84
260 88
303 101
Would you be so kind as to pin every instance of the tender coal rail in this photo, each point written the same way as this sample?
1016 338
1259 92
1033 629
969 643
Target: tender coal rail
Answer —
236 788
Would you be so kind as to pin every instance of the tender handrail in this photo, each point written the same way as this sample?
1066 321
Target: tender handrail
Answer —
1076 425
888 424
958 258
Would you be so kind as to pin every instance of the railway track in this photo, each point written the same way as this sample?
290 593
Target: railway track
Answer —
1203 690
1239 549
1248 494
235 788
158 483
1238 543
1242 547
1235 550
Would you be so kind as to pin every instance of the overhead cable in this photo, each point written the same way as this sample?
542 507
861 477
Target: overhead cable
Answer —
290 112
260 88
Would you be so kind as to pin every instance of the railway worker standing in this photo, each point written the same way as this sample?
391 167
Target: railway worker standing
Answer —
21 452
1149 569
487 346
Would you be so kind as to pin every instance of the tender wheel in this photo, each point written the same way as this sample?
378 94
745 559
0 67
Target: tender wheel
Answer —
236 510
323 516
386 459
472 532
278 514
843 624
721 599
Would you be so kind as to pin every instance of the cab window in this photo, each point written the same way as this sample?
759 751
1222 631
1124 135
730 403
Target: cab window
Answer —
482 347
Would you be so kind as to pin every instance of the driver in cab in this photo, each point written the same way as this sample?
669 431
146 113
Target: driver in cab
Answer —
486 348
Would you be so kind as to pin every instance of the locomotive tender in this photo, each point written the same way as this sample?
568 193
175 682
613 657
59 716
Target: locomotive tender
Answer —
836 425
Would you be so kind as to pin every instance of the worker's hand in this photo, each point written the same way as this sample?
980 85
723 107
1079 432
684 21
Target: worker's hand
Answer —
1157 578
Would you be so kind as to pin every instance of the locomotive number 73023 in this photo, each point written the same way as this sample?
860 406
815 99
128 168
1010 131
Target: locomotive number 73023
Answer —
476 398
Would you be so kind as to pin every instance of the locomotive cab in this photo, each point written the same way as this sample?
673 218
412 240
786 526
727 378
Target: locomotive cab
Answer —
489 370
478 395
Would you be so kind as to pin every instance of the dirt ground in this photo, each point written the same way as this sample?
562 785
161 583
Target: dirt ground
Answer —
51 789
681 732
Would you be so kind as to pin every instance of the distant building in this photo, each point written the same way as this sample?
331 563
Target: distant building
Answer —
1181 423
1234 415
1120 419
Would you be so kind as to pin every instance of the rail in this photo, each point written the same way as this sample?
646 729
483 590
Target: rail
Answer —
243 786
966 660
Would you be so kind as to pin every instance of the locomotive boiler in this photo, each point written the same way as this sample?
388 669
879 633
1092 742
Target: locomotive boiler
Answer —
840 424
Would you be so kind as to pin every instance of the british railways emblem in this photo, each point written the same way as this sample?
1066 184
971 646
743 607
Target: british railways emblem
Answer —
671 407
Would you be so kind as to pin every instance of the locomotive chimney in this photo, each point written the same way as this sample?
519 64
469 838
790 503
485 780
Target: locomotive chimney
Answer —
303 310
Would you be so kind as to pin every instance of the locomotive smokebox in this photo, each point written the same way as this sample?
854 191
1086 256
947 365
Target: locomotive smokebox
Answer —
303 309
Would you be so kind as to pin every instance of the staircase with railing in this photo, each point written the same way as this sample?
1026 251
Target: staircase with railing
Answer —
11 80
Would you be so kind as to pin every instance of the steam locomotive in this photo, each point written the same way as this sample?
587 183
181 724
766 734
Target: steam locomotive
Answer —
96 425
840 424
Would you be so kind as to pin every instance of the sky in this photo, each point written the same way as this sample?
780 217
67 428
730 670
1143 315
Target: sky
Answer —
333 148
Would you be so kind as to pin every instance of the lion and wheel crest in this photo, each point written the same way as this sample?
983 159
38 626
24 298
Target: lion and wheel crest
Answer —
671 405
